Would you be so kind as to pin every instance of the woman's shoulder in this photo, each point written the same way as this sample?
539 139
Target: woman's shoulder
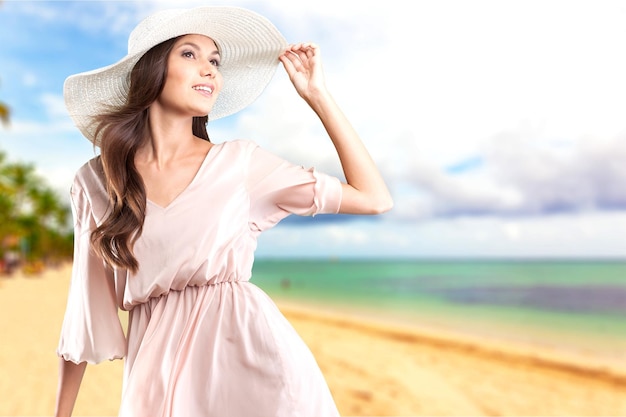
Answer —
241 145
90 176
247 147
239 150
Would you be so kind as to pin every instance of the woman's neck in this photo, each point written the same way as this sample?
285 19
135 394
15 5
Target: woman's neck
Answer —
170 138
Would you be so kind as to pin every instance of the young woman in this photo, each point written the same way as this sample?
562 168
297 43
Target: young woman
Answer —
166 222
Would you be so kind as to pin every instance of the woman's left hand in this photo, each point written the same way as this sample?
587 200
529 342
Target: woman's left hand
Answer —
303 64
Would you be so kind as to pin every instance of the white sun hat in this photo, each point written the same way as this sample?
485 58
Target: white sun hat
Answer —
249 46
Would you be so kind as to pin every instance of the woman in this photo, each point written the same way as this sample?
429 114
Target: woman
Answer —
166 222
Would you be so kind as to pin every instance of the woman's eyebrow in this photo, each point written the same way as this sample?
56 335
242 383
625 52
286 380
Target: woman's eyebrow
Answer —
195 46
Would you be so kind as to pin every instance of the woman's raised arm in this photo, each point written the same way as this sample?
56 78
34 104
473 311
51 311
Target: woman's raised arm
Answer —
365 191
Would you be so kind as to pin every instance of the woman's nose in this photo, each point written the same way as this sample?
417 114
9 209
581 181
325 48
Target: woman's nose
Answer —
208 70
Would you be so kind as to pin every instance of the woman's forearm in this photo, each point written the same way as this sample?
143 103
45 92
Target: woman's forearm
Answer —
70 377
366 191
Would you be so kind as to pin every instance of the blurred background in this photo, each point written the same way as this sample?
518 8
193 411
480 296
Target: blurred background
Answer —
499 127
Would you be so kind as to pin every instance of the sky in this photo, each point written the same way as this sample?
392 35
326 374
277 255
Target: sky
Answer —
499 126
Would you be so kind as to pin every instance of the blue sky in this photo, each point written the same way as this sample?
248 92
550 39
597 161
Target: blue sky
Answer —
499 126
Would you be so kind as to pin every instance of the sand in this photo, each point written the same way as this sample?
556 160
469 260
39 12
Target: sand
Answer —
373 368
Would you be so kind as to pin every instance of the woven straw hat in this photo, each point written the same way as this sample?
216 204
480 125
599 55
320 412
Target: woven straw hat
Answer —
249 46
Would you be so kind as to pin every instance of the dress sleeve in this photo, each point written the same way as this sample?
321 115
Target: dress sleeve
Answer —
91 330
278 188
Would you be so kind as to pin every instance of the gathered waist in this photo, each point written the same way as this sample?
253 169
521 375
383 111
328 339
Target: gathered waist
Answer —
178 292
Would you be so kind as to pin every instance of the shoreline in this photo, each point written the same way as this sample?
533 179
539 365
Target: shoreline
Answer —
395 328
374 366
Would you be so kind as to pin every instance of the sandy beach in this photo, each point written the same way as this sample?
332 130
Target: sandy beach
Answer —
373 368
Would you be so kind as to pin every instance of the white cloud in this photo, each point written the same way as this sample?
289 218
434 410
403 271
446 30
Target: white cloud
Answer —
588 175
517 177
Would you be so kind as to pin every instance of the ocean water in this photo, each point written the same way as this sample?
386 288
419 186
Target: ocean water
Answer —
579 306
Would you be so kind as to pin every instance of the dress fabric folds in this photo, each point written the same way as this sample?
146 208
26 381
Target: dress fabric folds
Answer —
202 340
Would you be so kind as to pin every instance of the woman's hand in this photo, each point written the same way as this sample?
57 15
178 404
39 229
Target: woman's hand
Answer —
303 63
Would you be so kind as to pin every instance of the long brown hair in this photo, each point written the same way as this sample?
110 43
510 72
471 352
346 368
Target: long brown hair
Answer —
121 132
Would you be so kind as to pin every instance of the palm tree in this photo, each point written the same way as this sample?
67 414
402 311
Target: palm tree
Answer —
21 181
6 199
33 220
51 217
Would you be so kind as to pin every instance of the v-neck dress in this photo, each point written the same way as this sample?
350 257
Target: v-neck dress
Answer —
202 341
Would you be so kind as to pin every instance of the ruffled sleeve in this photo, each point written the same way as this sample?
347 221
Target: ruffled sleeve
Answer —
91 330
278 188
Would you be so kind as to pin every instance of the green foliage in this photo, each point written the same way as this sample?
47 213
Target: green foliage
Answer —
34 221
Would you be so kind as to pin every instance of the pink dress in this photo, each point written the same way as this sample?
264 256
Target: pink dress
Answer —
202 340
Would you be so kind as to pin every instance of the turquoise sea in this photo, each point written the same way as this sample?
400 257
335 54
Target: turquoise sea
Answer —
579 306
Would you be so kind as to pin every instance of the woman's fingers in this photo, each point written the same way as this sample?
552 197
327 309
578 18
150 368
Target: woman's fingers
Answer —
304 51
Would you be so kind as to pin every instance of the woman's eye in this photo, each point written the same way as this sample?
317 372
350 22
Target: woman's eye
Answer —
215 62
188 54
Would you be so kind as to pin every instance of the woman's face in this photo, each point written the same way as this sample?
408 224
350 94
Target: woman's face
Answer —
193 79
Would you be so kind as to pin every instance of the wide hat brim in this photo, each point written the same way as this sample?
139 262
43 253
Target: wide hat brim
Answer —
249 46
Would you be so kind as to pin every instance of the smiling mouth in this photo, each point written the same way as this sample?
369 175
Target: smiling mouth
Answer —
203 88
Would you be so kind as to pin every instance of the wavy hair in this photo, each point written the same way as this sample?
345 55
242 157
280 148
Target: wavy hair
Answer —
121 132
